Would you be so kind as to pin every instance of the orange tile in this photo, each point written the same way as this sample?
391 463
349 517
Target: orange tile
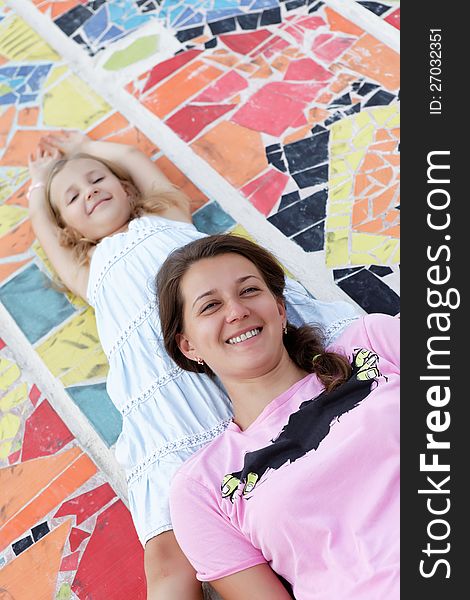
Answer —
360 211
381 203
395 132
316 115
383 175
6 121
19 197
392 216
339 23
24 141
375 226
59 8
229 60
202 39
246 67
361 182
371 162
394 231
235 152
185 83
393 159
262 73
280 63
341 82
180 180
17 240
28 117
134 137
300 134
384 146
41 559
375 60
72 478
324 98
382 135
7 269
115 122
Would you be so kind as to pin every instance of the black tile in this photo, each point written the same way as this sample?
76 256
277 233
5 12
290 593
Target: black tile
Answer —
294 4
318 128
95 4
315 7
300 215
22 544
289 199
313 176
73 19
40 531
336 117
375 7
356 85
340 273
380 271
211 43
279 164
248 21
271 16
355 108
273 148
223 26
366 88
306 153
344 100
380 98
149 7
189 34
312 239
371 293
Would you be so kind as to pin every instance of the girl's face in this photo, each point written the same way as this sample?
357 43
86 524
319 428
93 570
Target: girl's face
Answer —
231 319
90 198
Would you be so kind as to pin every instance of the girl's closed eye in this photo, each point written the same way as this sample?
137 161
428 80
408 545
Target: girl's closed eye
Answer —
250 290
209 306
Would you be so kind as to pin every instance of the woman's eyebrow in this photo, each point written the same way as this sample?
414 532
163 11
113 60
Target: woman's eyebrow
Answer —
209 292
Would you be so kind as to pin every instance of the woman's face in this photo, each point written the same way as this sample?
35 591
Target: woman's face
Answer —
90 198
231 319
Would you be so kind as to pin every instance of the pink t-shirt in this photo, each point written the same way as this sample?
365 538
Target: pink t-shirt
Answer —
311 487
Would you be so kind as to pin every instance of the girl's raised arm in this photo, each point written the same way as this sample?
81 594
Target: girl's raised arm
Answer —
146 176
73 275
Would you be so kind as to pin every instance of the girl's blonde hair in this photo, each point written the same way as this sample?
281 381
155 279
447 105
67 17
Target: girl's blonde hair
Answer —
153 203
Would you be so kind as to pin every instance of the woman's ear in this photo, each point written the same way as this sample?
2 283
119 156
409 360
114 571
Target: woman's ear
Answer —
281 307
185 346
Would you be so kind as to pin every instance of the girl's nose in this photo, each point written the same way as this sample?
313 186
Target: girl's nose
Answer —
92 193
236 310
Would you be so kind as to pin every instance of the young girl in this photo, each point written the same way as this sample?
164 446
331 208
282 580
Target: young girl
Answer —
107 219
305 479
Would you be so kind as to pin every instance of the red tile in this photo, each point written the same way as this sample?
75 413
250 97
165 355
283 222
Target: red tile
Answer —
306 69
244 43
45 433
224 88
394 18
87 504
2 344
265 191
70 562
321 39
112 565
76 537
191 120
275 107
34 394
310 22
168 67
332 50
14 458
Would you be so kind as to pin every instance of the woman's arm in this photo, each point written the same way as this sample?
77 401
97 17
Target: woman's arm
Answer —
72 274
255 583
146 176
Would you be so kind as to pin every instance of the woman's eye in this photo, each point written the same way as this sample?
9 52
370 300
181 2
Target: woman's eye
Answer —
208 306
249 290
98 179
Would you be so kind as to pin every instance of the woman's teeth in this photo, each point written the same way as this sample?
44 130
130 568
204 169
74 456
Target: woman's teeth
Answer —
244 336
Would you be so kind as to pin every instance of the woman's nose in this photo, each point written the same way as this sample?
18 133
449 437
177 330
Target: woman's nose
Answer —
236 310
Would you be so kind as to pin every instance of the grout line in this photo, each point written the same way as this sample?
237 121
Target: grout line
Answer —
67 410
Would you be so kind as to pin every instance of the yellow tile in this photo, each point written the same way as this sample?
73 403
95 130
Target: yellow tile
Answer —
365 242
335 181
383 113
9 425
337 251
365 137
20 43
385 251
54 75
339 208
363 259
339 221
395 260
338 166
394 121
354 159
11 216
339 148
18 395
73 352
72 104
343 192
342 130
5 449
362 119
9 373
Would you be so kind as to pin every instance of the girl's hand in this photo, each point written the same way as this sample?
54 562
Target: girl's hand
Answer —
41 162
67 142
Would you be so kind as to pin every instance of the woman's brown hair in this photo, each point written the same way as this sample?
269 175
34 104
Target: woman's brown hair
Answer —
303 344
153 203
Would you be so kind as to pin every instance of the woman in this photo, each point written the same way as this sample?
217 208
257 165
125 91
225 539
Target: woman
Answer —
304 482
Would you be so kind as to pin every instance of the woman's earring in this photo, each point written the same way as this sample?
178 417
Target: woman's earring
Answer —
199 360
285 329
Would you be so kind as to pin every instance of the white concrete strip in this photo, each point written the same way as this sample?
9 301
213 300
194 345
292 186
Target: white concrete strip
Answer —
67 410
309 268
367 20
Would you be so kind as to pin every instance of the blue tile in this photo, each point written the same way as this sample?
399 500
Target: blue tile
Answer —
96 405
212 219
33 304
8 99
265 4
37 77
95 26
112 33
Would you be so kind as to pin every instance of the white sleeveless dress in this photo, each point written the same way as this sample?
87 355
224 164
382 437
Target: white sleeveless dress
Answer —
167 413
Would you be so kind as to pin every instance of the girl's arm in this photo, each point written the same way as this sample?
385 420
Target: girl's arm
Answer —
146 176
73 275
255 583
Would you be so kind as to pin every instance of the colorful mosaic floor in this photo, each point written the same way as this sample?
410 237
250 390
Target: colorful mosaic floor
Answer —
291 106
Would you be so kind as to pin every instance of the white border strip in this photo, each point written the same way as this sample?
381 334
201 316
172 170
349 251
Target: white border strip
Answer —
67 410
